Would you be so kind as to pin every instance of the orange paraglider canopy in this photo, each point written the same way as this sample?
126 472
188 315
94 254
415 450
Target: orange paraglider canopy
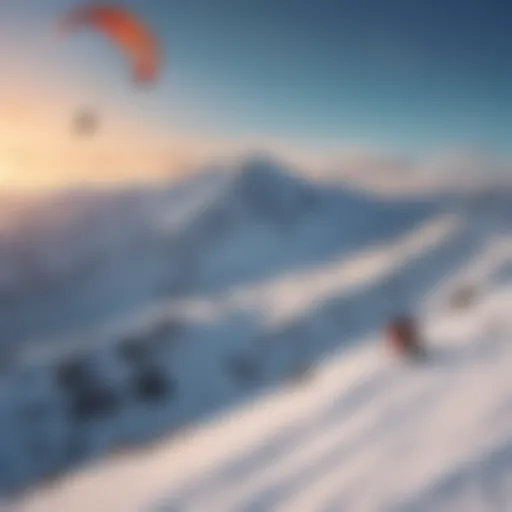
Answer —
123 28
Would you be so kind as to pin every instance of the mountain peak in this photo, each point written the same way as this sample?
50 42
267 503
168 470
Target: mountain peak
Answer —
270 189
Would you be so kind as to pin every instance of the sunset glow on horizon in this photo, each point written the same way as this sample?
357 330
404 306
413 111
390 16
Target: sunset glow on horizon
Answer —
248 78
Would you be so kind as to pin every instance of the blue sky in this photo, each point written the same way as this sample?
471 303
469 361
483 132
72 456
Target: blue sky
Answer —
413 72
406 75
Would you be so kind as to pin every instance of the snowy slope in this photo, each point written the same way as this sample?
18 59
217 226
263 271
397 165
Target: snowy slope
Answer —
363 433
286 274
79 257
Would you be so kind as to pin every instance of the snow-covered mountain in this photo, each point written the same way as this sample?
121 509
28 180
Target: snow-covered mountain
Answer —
169 305
80 259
